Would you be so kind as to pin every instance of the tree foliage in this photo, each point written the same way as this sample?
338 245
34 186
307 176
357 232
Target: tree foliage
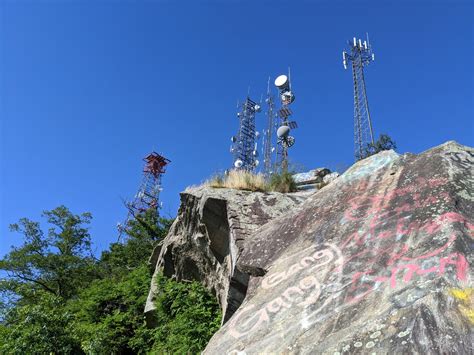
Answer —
383 143
41 327
58 262
58 299
109 314
187 316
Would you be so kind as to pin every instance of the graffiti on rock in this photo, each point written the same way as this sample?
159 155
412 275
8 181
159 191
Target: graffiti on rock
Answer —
465 299
395 237
464 159
367 167
390 239
308 269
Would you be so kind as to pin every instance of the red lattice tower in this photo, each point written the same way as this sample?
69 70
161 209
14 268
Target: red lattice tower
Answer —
148 195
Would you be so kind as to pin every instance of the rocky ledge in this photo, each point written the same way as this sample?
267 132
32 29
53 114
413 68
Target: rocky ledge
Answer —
379 261
207 238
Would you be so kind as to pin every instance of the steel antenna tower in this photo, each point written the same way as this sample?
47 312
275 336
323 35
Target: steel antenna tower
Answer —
268 133
360 55
148 195
244 145
284 140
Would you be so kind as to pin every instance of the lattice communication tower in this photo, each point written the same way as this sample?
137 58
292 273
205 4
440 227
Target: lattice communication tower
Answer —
244 144
360 55
284 140
148 195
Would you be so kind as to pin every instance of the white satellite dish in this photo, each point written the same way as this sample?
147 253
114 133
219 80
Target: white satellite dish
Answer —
257 108
283 131
238 163
257 134
255 153
233 139
256 162
281 82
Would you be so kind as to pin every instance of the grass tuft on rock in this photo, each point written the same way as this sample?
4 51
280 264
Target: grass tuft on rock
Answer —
239 180
245 180
283 182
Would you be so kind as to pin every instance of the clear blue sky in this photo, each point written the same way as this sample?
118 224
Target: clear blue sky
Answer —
89 87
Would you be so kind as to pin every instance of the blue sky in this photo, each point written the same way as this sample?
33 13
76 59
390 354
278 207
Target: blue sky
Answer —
89 87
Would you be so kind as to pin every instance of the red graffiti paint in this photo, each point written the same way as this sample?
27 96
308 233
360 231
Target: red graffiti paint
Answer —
363 282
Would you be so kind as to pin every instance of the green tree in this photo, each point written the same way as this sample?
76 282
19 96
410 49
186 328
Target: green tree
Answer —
60 299
142 234
59 262
41 275
42 327
109 314
383 143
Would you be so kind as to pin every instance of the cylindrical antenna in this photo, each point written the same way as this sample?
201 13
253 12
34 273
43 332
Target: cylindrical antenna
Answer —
289 78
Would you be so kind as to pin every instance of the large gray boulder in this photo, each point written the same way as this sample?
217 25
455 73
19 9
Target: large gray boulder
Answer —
379 261
207 238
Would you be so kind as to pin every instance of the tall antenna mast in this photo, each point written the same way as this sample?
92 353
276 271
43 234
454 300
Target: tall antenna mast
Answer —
268 133
360 55
284 141
148 195
244 144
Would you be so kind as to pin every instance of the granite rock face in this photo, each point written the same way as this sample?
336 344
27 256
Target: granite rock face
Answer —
379 261
207 238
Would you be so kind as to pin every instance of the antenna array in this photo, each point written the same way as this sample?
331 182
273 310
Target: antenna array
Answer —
360 55
284 139
244 145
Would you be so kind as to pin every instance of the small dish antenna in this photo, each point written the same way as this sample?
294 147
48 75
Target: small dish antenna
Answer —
238 163
283 131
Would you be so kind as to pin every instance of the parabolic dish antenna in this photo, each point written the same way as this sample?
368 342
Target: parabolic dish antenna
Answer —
281 82
283 131
238 163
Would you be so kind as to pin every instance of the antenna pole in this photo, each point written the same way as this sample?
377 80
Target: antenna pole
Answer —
244 145
360 56
268 136
285 141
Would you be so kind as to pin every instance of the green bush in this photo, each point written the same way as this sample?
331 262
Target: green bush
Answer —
109 314
282 182
187 316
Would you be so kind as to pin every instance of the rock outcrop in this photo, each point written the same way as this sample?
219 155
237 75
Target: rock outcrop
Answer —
379 261
208 235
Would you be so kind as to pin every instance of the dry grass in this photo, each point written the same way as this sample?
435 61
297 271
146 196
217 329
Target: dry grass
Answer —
240 180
